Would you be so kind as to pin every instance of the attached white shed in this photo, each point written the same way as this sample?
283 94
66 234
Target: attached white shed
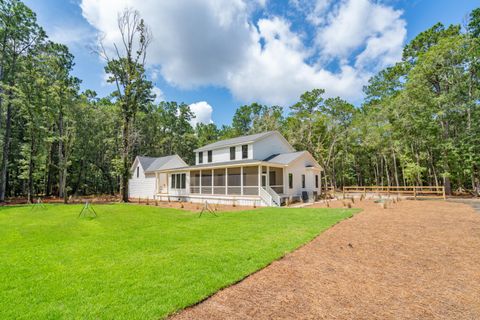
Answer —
143 182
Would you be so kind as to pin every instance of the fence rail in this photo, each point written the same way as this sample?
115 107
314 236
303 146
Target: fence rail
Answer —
416 191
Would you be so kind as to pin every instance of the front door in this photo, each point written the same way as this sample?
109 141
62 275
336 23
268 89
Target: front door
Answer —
264 180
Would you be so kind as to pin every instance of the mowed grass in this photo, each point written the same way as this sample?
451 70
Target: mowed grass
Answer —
137 262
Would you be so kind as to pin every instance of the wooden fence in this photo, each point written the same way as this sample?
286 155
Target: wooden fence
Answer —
416 191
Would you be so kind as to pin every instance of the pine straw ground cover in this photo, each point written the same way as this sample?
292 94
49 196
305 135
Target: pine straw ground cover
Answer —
413 260
137 261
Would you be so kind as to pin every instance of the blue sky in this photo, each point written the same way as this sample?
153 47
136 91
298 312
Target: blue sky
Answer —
218 55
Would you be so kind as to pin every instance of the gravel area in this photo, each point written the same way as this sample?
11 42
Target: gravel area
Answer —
412 260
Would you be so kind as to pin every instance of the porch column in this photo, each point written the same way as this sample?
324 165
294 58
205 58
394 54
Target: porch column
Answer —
156 182
226 181
268 176
212 181
241 180
200 191
259 178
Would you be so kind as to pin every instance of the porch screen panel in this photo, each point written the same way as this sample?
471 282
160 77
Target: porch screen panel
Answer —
250 181
206 181
234 181
276 179
195 182
219 181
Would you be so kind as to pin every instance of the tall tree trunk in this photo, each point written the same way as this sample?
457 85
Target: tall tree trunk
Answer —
61 160
395 167
6 150
386 170
125 167
30 171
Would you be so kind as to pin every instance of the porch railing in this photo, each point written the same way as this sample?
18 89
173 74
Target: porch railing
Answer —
275 197
265 196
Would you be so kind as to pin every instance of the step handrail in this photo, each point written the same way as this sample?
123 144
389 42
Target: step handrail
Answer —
274 195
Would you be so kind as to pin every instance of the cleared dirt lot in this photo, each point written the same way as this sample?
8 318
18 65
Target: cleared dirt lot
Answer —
413 260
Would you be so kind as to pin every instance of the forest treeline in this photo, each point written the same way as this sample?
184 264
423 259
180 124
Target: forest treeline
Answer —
418 125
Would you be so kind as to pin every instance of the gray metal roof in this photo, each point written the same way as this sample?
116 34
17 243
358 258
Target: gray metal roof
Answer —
235 141
150 164
284 158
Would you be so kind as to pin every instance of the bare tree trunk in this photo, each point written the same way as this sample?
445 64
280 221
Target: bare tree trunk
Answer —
6 151
61 180
30 171
386 170
395 167
125 167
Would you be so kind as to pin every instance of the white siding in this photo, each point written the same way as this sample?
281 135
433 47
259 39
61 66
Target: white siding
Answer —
298 168
143 186
223 154
272 144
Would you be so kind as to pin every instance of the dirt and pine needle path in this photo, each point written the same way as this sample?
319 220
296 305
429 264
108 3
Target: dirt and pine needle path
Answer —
413 260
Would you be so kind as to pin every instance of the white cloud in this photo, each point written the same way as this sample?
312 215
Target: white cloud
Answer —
355 24
202 111
215 42
71 35
159 96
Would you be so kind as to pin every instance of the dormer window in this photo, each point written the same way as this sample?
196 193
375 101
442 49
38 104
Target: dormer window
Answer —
200 157
209 156
232 153
245 151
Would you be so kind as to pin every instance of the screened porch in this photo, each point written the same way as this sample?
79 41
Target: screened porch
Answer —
241 180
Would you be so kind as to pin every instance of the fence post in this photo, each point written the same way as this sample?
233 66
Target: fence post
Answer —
415 192
343 188
365 192
444 194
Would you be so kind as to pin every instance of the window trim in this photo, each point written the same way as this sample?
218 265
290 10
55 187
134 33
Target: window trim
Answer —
138 172
178 181
290 180
209 156
200 157
316 181
245 151
183 178
233 151
303 181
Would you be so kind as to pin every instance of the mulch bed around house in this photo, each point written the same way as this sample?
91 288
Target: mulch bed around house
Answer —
413 260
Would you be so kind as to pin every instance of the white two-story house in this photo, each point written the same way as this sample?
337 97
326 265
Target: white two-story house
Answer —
261 169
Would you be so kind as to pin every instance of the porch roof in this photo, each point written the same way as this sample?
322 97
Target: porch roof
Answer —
226 164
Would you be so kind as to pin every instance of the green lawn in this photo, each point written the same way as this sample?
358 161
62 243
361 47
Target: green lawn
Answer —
137 262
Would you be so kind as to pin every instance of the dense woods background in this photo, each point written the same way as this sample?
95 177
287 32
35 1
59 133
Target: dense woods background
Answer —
419 123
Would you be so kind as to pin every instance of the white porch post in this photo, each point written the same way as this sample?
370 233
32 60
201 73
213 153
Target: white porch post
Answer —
259 178
241 180
156 184
226 181
200 184
212 181
268 176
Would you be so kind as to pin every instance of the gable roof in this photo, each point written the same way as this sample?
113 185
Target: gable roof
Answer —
150 164
236 141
